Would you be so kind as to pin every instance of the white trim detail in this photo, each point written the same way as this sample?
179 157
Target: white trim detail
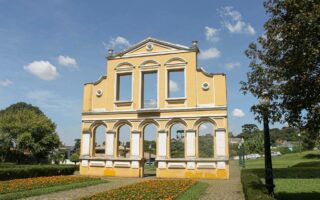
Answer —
85 144
221 165
162 165
109 163
191 144
162 144
191 165
97 163
205 86
220 142
122 164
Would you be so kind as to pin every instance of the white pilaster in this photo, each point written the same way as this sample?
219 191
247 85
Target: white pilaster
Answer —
191 143
135 144
221 142
85 144
110 143
162 144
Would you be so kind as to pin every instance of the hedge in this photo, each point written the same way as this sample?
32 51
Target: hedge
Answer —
291 172
253 188
29 171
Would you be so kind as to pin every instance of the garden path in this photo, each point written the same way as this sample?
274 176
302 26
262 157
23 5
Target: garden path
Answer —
225 189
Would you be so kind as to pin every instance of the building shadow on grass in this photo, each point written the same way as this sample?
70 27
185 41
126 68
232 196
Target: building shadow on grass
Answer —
298 196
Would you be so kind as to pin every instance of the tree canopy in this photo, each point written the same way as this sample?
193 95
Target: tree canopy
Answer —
28 129
285 62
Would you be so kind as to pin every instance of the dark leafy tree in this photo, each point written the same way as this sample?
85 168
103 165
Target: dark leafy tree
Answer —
30 129
285 62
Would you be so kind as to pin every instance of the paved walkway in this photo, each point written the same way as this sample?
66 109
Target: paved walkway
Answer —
218 189
225 189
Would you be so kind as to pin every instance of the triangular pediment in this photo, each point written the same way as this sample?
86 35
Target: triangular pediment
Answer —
152 46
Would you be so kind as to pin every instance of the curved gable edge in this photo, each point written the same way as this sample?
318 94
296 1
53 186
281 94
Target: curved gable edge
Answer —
98 81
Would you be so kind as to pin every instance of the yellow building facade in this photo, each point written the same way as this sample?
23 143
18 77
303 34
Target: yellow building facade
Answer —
202 100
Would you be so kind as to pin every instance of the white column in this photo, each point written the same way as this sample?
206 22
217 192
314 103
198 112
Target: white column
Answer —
162 144
191 143
135 144
85 144
221 142
110 143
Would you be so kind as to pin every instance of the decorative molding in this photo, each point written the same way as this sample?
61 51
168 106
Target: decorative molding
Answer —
98 81
128 66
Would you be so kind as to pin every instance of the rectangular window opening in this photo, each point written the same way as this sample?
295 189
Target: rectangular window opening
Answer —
176 84
124 87
149 90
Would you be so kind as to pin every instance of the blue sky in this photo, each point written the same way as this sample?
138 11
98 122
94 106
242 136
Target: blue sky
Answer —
48 49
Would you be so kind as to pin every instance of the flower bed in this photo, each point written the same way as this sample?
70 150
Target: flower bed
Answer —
18 185
152 189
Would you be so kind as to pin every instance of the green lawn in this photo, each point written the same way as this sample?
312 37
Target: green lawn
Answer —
286 160
195 192
289 187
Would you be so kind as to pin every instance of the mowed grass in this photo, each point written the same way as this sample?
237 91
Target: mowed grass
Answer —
284 161
195 192
293 188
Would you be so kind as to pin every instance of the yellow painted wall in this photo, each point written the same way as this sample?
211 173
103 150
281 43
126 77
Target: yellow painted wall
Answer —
216 95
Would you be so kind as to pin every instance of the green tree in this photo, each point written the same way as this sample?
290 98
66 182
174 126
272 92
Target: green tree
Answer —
250 128
31 129
76 147
254 144
285 62
74 158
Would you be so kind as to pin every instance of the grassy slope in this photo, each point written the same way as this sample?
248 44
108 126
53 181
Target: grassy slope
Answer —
40 191
292 189
284 161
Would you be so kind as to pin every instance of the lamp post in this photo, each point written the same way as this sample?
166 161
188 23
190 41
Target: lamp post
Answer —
124 149
264 102
150 154
299 135
242 161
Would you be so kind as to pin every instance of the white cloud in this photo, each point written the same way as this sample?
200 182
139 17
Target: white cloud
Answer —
119 41
5 83
211 34
209 54
42 69
238 113
67 61
232 65
173 86
232 20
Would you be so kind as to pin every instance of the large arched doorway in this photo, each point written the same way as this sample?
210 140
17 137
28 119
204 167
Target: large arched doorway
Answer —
124 146
99 141
149 149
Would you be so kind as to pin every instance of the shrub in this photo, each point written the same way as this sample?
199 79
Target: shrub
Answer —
308 164
253 188
28 171
291 172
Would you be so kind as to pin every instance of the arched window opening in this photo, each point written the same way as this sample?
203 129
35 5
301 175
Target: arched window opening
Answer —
177 137
124 141
149 144
206 140
100 142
